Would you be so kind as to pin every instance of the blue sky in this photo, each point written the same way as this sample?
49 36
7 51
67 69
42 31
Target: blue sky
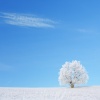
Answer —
37 37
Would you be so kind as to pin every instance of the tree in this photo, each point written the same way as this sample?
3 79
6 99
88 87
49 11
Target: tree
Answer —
72 73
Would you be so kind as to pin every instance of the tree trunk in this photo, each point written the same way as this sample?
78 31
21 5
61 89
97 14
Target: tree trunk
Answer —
72 85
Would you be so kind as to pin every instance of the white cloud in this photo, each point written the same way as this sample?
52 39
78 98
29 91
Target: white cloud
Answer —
26 20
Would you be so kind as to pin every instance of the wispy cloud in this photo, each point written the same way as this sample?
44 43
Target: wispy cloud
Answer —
84 30
26 20
4 67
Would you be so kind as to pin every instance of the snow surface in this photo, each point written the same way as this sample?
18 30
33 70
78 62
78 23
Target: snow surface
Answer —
81 93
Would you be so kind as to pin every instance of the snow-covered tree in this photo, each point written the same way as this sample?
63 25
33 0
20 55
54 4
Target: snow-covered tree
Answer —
72 73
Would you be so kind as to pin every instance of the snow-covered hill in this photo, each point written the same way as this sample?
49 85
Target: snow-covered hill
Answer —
82 93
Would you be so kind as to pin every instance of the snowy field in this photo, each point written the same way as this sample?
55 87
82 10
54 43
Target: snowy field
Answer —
82 93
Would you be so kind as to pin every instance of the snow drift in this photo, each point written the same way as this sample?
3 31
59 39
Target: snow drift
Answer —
81 93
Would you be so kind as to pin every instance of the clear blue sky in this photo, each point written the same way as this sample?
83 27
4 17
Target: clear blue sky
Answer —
38 36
